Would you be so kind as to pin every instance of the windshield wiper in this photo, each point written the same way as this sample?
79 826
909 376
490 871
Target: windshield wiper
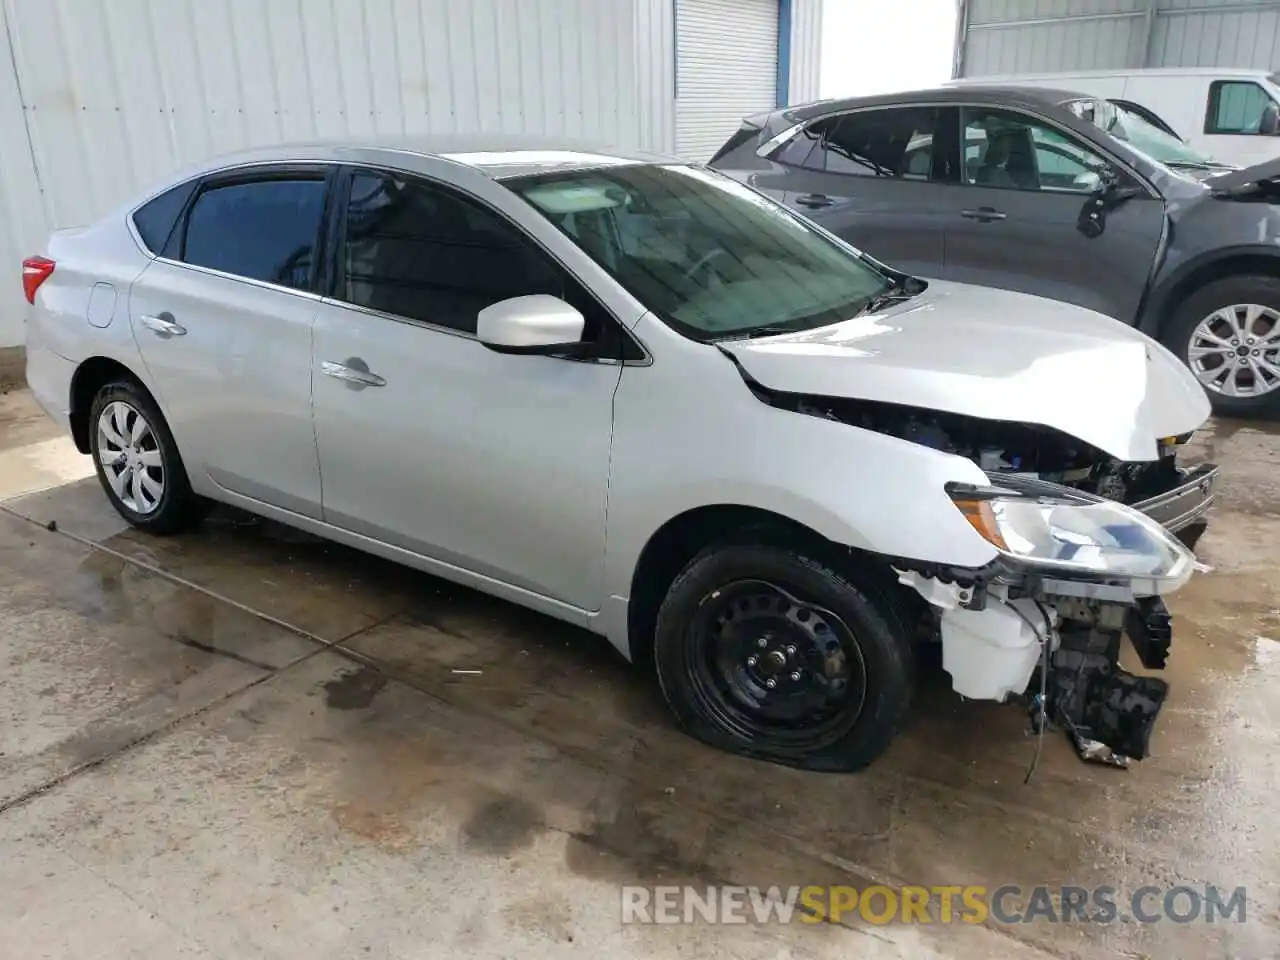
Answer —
904 289
770 330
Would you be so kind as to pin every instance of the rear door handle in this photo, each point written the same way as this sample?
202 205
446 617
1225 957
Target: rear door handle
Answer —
814 200
162 327
984 214
352 373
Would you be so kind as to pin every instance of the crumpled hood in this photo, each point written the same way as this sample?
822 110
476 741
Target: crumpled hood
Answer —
999 356
1235 179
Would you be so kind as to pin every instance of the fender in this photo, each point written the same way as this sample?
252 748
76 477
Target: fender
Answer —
1208 265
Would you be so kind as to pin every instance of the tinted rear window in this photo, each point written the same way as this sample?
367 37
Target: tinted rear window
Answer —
260 229
154 220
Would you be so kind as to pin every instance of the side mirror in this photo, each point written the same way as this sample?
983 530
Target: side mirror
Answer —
1269 125
535 324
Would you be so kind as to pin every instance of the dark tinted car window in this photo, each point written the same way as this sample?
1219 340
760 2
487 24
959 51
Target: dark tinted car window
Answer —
418 250
872 143
261 229
154 220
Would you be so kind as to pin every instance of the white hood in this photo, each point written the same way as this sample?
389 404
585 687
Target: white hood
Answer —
997 355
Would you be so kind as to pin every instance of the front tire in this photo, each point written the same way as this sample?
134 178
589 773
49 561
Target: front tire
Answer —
767 652
137 461
1228 333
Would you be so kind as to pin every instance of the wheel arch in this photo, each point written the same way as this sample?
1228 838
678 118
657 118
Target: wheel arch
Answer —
1191 276
89 378
670 548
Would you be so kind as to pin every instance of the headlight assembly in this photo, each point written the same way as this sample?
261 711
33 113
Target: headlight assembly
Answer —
1066 534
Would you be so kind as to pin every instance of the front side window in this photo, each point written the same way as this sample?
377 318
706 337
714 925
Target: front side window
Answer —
1132 128
1003 148
895 142
713 258
1237 106
263 229
418 250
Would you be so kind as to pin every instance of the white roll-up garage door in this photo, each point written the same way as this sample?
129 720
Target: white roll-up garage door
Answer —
726 69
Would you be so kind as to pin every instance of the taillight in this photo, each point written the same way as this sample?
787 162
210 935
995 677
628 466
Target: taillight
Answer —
35 271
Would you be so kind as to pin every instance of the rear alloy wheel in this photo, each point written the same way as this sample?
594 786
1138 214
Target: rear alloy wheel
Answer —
765 652
137 460
1228 333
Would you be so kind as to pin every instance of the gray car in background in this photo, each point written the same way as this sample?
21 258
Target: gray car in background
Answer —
1021 188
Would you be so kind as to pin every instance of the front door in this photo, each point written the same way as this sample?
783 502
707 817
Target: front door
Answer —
223 322
874 178
1020 218
491 463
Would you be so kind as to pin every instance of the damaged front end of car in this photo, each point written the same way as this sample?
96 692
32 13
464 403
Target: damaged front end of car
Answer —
1087 546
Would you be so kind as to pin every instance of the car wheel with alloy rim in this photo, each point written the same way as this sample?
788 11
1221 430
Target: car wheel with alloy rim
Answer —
137 460
768 652
1228 333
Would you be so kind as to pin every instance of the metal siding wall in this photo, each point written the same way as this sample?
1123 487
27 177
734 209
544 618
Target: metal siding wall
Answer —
119 95
806 50
1033 36
1226 38
22 220
655 60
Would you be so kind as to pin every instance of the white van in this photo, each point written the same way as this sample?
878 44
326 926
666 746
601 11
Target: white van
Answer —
1233 115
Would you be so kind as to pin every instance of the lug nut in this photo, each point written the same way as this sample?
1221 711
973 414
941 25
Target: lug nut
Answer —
771 683
1235 343
752 660
791 650
762 643
795 675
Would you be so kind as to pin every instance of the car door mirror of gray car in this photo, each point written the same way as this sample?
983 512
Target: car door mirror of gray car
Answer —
535 324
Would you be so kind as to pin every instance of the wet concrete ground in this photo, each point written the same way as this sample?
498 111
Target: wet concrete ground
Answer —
247 743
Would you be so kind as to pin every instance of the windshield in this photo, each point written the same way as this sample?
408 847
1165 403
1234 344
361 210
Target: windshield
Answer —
1140 134
711 257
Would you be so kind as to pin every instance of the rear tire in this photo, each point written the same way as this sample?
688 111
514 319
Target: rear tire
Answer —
137 461
768 652
1211 328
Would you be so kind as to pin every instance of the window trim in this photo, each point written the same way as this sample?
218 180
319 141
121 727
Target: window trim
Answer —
1214 99
768 150
771 149
341 195
259 173
1058 128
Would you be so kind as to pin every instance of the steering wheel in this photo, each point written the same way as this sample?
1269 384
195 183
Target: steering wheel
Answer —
703 263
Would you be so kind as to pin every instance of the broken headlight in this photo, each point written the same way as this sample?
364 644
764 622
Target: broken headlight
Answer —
1068 533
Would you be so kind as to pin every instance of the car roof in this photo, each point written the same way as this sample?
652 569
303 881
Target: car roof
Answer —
1012 95
497 157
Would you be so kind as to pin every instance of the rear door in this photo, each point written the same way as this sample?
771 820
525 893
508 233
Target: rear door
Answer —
223 320
877 179
1021 217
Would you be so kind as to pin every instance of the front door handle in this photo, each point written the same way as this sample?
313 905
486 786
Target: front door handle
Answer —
984 214
161 326
354 371
814 200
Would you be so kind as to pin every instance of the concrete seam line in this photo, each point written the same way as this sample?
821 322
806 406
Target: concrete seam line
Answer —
182 581
142 739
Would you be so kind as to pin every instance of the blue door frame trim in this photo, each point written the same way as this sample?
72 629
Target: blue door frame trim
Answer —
784 52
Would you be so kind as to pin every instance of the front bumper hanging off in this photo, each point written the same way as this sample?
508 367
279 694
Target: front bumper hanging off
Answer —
1108 712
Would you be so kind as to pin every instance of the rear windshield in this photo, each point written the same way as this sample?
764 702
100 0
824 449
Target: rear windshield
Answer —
711 257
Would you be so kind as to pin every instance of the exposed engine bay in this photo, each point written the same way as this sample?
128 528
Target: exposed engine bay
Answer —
1050 642
1006 447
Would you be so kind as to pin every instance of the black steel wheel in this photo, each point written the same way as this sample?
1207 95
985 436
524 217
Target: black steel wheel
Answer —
766 652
